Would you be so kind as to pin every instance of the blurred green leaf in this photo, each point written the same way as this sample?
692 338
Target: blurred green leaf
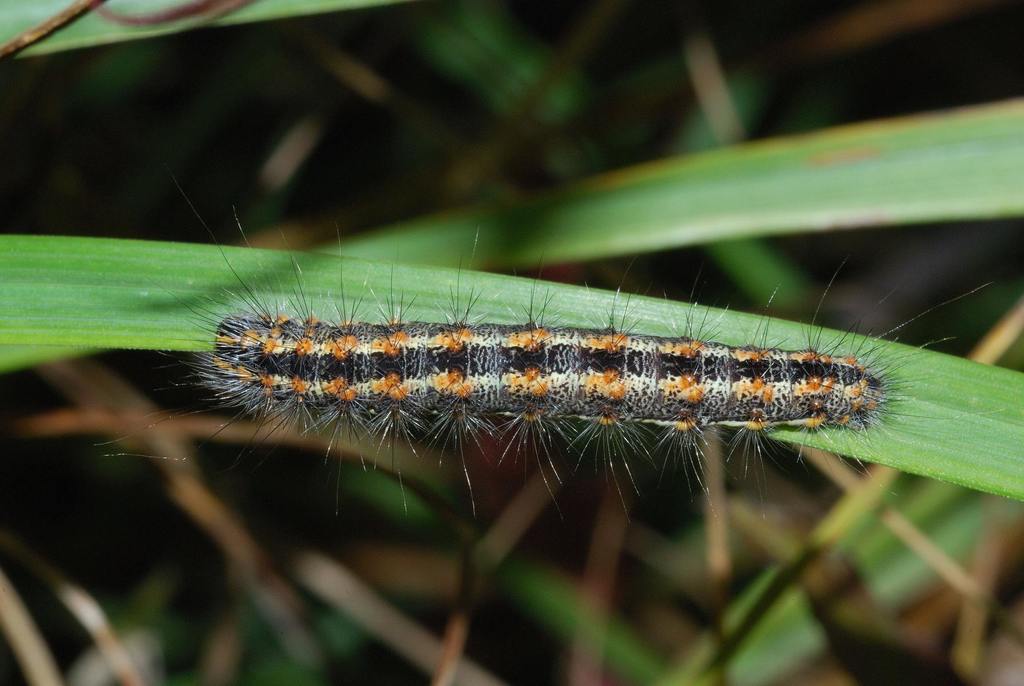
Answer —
789 634
483 46
15 357
961 164
93 29
553 601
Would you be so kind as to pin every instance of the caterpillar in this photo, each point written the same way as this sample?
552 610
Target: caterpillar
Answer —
399 376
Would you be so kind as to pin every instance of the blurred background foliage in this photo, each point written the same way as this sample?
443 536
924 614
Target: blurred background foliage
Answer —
227 560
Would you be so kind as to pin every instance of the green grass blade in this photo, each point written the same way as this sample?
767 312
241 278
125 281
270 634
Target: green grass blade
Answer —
537 591
951 419
555 602
962 164
93 30
896 578
15 357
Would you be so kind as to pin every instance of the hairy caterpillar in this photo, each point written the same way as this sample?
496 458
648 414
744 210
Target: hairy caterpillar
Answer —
398 376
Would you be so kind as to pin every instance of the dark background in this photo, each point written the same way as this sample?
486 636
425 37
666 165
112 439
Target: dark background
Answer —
92 140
